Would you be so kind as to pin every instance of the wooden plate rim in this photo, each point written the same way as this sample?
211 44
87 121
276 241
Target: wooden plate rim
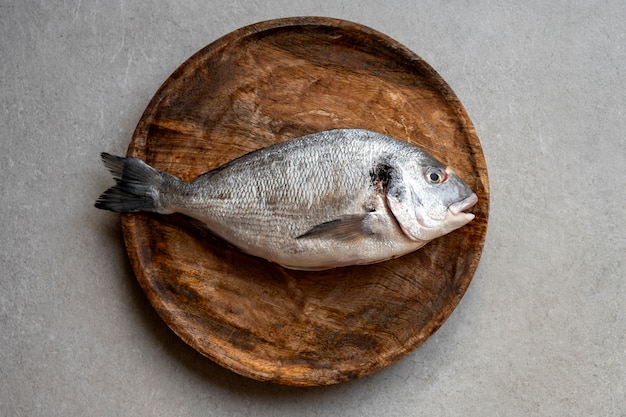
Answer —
130 222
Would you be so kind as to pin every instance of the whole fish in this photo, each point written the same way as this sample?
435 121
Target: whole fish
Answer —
329 199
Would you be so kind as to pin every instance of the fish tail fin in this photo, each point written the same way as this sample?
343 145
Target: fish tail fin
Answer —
137 187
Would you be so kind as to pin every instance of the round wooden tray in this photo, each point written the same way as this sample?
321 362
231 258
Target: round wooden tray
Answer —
267 83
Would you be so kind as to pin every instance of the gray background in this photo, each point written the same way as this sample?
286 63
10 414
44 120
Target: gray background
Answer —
541 330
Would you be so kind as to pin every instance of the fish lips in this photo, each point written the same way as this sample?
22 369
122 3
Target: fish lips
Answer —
457 210
454 217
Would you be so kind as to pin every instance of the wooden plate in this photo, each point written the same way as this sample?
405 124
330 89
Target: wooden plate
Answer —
267 83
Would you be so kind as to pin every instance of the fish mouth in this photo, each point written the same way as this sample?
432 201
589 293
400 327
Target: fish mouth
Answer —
458 209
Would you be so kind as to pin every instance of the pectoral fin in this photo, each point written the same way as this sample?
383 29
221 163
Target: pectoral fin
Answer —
349 227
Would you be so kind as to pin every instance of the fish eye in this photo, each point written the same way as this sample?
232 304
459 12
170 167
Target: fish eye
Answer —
436 175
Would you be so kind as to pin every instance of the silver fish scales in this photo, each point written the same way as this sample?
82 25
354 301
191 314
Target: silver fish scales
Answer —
329 199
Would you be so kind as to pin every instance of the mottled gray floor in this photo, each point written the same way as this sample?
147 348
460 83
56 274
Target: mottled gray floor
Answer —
541 331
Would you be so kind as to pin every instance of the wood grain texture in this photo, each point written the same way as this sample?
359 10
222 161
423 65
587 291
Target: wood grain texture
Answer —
268 83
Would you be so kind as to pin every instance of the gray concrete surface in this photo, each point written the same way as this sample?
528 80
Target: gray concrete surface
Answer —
541 331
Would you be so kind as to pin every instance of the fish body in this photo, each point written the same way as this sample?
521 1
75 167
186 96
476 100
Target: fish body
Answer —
329 199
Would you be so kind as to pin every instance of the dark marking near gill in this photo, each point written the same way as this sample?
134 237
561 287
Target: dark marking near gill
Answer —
381 174
388 180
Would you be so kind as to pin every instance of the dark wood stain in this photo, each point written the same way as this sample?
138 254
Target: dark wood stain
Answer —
264 84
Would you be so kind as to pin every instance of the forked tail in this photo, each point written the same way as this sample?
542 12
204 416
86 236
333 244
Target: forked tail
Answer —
137 187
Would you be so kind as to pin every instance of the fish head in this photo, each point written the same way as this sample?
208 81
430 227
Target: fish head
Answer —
429 200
